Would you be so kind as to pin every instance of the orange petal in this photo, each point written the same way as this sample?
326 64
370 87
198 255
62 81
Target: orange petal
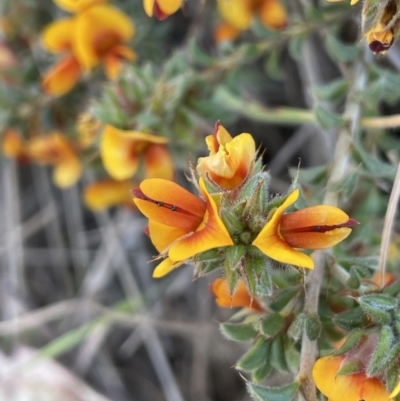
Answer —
238 13
77 6
273 14
162 236
67 173
187 212
158 162
239 298
107 193
211 233
98 30
57 37
120 150
62 77
270 242
355 386
224 32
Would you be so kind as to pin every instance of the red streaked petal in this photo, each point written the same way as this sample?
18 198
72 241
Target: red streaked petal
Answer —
212 233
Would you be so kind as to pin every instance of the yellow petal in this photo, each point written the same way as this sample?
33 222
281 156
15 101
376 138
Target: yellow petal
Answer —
62 77
148 6
106 193
169 6
165 267
120 150
57 37
237 12
356 386
67 173
162 236
77 6
158 162
98 31
211 233
270 242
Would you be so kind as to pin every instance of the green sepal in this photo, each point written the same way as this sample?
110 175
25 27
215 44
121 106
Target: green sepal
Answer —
283 393
262 372
232 223
238 332
351 319
207 266
312 326
282 298
382 349
354 280
234 254
265 285
392 376
271 325
353 339
255 356
349 367
250 276
296 328
278 354
231 274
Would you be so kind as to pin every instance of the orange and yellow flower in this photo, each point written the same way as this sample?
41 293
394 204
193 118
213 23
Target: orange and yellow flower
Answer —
181 225
57 151
355 386
122 150
97 35
239 298
230 159
238 15
77 6
161 9
316 227
106 193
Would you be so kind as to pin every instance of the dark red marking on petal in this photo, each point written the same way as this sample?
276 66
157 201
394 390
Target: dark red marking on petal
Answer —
147 230
216 127
323 229
378 47
160 15
138 193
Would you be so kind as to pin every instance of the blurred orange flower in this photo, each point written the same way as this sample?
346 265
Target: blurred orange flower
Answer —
94 36
106 193
239 298
122 150
14 146
77 6
238 15
161 9
316 227
230 159
181 225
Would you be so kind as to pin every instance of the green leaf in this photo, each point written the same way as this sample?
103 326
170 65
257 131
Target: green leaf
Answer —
197 55
283 393
312 327
282 298
340 51
327 119
262 372
296 47
238 332
255 356
264 287
296 328
353 339
351 319
334 91
278 354
271 325
273 66
385 343
347 185
349 367
378 307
